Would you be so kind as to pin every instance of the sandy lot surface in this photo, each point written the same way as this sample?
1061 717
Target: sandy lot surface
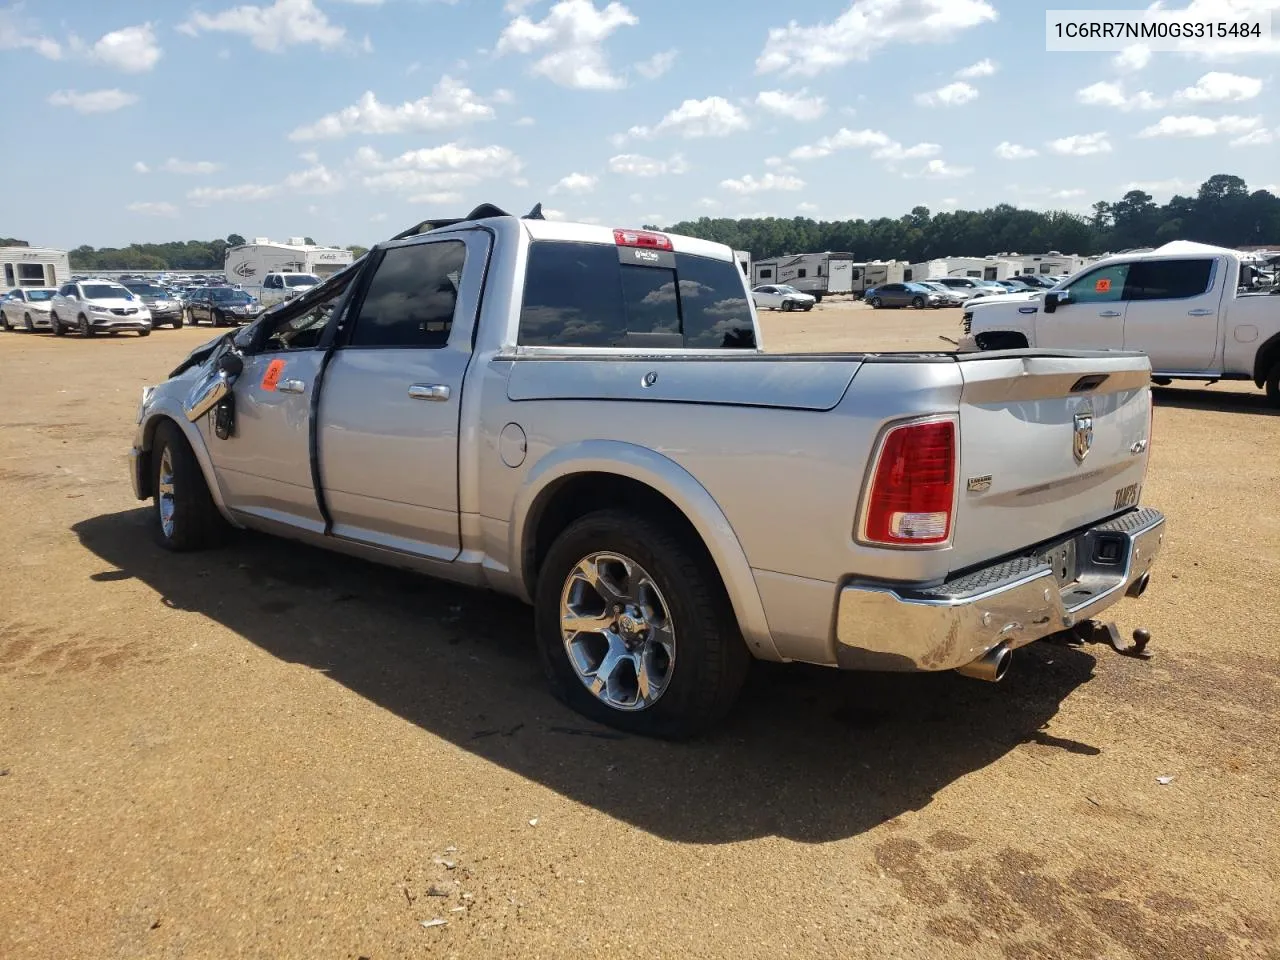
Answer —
269 751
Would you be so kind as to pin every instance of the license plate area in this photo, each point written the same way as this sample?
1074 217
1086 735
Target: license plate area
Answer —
1062 560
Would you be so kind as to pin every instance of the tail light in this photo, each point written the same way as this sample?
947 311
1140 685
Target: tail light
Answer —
642 238
913 487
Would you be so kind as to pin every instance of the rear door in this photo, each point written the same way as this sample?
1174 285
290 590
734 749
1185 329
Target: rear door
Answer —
392 397
1173 312
1047 445
1093 317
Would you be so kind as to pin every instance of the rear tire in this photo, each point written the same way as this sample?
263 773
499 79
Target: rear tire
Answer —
698 683
1273 384
185 517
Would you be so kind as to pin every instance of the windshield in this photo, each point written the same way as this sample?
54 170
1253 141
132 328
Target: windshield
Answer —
227 293
787 288
301 280
146 289
102 291
36 296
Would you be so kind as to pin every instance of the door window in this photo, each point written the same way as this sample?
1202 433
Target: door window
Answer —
1169 279
1104 285
301 325
412 297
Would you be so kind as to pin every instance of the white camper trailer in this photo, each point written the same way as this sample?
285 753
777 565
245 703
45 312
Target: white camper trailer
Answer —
250 264
820 274
879 272
34 267
978 268
744 262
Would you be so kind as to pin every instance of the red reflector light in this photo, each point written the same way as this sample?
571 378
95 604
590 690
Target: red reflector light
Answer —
641 238
913 490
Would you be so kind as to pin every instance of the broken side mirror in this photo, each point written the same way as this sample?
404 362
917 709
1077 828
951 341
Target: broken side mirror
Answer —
215 386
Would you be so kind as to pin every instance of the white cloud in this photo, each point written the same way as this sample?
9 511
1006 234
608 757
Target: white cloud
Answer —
1196 126
883 147
1220 88
444 168
95 101
174 165
553 214
1014 151
570 40
867 26
153 209
709 203
637 165
1108 94
285 23
770 181
310 156
1132 58
1159 187
450 104
316 179
1081 144
132 49
807 207
657 65
438 196
952 95
204 196
796 106
525 122
1256 138
378 218
503 95
1229 48
18 32
140 167
779 164
1068 194
712 117
983 68
939 169
575 183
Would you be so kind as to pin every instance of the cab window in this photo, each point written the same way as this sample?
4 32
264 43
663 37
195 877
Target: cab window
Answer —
1169 279
1104 285
412 297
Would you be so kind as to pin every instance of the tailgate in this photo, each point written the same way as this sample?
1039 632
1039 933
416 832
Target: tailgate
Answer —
1047 444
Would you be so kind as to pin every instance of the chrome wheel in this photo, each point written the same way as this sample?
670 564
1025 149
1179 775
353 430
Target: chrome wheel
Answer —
164 493
617 630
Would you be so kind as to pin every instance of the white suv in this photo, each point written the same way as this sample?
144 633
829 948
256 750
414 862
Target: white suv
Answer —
92 305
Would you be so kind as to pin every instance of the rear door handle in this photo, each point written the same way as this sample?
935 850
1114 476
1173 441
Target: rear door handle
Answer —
1200 313
429 391
1109 313
291 386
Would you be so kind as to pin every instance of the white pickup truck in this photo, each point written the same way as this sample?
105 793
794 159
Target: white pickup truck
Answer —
1190 307
583 418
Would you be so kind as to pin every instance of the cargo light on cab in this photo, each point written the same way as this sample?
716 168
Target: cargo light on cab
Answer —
642 238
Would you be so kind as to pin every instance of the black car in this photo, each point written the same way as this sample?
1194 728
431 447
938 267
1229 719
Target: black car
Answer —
222 306
164 306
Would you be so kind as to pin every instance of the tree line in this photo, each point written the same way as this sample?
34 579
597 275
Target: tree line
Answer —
1223 212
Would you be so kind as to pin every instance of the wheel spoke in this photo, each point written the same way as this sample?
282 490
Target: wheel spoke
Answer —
589 571
574 622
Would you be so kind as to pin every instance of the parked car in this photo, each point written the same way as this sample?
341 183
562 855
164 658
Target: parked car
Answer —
781 296
903 295
221 306
1188 306
1035 281
970 287
277 287
164 307
950 298
1012 285
27 307
90 306
423 408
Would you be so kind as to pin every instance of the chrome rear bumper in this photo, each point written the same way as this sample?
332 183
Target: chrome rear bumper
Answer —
1013 602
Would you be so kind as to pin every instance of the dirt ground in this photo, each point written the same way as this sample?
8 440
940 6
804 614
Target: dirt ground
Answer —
270 751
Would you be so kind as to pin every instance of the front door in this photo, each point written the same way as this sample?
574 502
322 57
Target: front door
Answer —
389 410
1093 316
1172 315
264 467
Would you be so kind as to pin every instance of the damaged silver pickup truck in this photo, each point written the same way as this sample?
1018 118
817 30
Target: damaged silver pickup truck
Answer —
583 417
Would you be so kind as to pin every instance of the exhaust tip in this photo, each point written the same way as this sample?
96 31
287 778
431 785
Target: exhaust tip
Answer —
1139 586
991 666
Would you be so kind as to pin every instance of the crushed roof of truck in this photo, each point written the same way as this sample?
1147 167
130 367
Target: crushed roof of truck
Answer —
482 212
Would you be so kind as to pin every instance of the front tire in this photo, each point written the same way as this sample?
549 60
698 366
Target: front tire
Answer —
28 324
144 333
58 329
177 322
657 650
876 303
787 306
218 319
86 330
917 303
186 518
4 320
1273 384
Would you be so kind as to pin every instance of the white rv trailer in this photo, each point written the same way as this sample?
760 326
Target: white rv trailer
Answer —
819 274
744 262
34 267
879 272
979 268
247 265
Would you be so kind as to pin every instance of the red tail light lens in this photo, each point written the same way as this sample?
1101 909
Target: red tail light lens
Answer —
913 491
642 238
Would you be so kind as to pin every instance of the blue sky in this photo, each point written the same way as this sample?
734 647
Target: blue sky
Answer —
346 120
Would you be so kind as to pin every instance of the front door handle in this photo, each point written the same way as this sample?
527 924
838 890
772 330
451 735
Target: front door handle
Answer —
1109 313
291 386
1200 313
429 391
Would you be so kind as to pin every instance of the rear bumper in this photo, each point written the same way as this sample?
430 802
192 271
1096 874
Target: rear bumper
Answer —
1013 602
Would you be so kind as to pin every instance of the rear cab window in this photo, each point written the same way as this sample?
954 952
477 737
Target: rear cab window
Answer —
580 294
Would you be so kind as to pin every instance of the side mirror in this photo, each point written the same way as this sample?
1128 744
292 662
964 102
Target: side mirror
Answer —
1054 300
210 391
232 364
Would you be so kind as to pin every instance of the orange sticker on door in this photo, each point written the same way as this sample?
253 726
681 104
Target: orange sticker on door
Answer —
272 376
1102 285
